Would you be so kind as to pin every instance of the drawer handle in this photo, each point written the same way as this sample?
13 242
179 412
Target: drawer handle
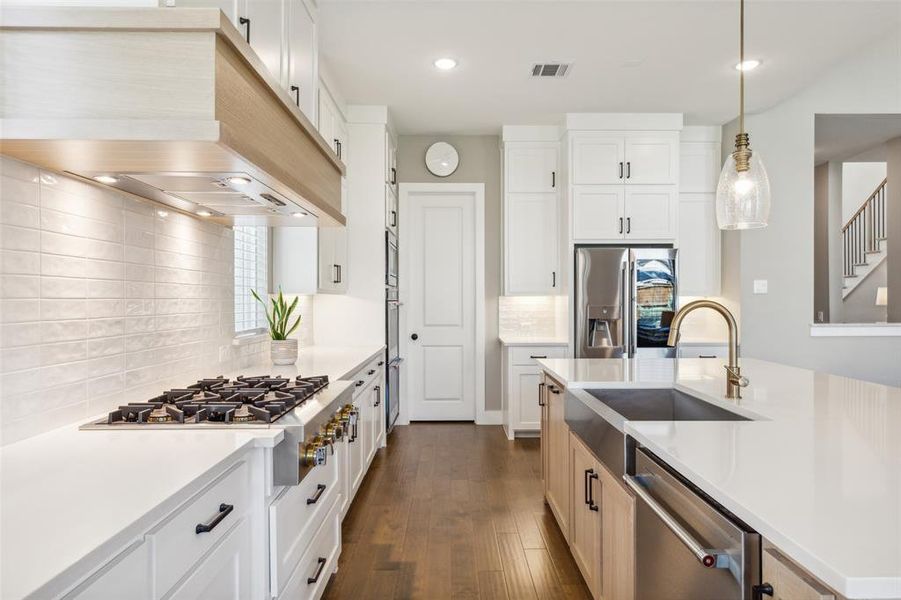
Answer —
319 491
224 509
381 362
706 356
541 394
359 383
591 503
371 372
538 356
319 568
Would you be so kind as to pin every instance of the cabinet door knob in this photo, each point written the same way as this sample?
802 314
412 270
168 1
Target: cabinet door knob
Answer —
414 337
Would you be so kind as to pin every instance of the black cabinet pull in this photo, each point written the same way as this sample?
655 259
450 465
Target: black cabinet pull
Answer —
553 179
541 394
554 390
381 362
318 572
319 490
620 169
224 510
586 484
591 505
759 591
371 372
393 176
414 337
620 224
296 90
393 218
553 278
359 383
706 356
337 147
538 356
378 395
337 274
628 170
246 23
628 224
340 149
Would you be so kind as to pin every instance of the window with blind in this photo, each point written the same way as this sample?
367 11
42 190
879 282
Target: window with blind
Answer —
251 273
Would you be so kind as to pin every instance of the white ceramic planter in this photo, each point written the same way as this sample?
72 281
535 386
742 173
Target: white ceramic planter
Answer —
283 352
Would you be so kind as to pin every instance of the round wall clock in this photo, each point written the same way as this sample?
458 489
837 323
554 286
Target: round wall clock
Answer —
441 159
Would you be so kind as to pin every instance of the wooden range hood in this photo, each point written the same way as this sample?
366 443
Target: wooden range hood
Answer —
162 91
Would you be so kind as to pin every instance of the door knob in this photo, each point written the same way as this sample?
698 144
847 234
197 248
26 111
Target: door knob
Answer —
414 337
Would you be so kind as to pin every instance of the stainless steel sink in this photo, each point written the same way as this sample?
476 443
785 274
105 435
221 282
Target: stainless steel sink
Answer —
662 405
604 435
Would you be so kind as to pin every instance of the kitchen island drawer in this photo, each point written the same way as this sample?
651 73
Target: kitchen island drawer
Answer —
526 356
296 515
182 539
367 374
309 579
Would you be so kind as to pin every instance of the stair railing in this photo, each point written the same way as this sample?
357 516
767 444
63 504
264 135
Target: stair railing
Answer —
863 231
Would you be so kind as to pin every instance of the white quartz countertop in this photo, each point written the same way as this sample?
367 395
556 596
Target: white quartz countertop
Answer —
818 473
524 340
69 499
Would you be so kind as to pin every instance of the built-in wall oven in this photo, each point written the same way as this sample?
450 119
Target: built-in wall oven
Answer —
392 331
686 544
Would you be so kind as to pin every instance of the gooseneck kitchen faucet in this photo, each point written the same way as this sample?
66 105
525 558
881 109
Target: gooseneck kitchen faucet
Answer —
734 379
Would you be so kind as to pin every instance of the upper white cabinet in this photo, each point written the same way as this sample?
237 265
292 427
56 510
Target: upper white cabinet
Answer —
332 124
283 34
531 167
624 186
391 161
333 260
597 158
531 218
699 235
627 158
302 71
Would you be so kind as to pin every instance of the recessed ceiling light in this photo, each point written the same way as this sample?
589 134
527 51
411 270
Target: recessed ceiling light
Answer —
299 214
237 180
204 213
445 64
162 214
107 179
748 65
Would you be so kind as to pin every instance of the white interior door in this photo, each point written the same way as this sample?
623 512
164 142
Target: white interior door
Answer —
439 284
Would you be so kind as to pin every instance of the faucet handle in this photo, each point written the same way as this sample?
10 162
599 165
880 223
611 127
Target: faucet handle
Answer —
735 376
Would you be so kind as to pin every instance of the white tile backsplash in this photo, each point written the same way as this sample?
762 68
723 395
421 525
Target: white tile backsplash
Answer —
104 302
532 316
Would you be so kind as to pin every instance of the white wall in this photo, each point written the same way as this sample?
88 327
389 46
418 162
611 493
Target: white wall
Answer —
775 326
104 302
859 180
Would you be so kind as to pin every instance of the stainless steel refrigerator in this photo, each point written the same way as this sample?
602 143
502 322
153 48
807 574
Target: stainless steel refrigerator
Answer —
625 299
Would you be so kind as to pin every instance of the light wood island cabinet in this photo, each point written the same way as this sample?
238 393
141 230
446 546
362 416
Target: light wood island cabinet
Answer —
555 452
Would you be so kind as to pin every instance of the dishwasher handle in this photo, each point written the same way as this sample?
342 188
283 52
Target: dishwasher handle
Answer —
708 557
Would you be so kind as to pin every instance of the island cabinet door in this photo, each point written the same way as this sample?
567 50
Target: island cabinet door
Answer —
587 500
790 582
558 457
617 538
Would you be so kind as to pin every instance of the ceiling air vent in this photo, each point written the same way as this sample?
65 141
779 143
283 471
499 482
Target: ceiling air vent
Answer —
550 69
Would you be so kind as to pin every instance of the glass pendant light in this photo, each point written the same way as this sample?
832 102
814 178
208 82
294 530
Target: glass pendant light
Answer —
743 192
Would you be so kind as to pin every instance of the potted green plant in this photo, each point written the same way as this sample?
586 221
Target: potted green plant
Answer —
283 350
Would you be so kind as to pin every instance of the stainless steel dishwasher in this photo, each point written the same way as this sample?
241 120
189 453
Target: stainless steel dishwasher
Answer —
686 546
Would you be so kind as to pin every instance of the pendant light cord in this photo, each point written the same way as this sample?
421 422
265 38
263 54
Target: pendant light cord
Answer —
741 70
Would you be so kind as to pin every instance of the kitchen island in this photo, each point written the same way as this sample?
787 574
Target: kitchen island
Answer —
92 496
816 468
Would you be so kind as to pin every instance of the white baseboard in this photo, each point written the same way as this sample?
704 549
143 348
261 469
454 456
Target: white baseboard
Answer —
490 417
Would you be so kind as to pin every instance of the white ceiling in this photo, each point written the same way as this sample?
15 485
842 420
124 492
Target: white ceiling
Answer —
631 56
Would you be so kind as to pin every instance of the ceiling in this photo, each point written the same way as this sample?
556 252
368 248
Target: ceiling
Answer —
854 138
628 56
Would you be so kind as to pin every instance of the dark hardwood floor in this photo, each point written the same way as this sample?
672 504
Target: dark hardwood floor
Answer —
454 511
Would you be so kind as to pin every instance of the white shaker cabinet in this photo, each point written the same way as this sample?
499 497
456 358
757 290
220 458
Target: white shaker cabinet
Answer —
623 186
224 573
333 260
699 236
521 393
302 63
531 218
599 212
531 244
